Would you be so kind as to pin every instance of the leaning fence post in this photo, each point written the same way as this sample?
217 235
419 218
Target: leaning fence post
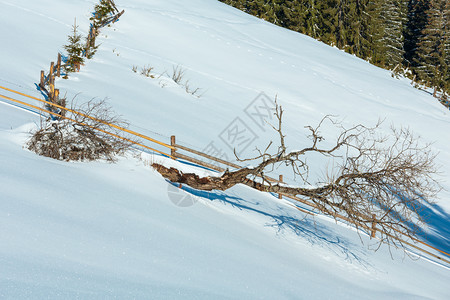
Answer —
52 67
51 91
58 66
374 229
173 143
63 104
56 100
56 96
50 79
280 180
41 83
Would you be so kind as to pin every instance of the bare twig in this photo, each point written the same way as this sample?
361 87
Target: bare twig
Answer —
82 138
381 179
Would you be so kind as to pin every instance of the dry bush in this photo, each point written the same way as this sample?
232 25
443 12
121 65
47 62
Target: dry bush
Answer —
81 136
146 71
193 91
178 74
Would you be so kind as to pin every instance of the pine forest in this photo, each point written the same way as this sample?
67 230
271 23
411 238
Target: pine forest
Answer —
409 37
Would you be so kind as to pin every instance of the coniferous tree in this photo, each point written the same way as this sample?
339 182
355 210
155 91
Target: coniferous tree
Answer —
287 14
326 31
433 51
102 11
359 36
91 47
235 3
393 16
101 16
338 13
375 32
447 63
417 19
314 24
74 51
446 48
389 33
347 23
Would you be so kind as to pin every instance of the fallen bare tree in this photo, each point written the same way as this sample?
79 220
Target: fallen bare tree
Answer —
84 135
386 180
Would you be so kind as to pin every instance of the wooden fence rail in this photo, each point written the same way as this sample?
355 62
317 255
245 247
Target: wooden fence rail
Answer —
72 120
224 162
372 230
83 115
174 148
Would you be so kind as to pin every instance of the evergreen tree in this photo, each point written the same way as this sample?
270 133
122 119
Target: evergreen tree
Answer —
358 28
446 48
328 30
314 24
336 14
417 19
103 11
433 51
346 24
91 48
447 62
389 33
375 33
74 50
393 16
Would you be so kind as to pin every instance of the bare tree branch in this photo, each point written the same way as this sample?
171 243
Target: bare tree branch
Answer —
386 179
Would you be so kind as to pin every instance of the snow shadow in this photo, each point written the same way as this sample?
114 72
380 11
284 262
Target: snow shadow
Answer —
437 231
285 219
43 94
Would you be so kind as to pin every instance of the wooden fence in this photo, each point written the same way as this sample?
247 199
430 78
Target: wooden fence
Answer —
94 29
47 82
174 149
63 116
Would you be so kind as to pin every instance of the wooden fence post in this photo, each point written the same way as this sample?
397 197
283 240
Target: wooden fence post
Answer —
52 67
63 104
374 229
56 96
88 43
42 83
280 180
50 79
173 143
58 66
51 91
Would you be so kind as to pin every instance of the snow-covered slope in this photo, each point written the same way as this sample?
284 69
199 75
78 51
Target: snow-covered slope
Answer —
98 230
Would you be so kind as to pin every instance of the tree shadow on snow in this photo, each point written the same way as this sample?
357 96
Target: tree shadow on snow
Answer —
285 219
436 232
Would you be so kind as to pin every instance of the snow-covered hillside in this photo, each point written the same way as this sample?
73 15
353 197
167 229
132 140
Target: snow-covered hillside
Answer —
99 230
